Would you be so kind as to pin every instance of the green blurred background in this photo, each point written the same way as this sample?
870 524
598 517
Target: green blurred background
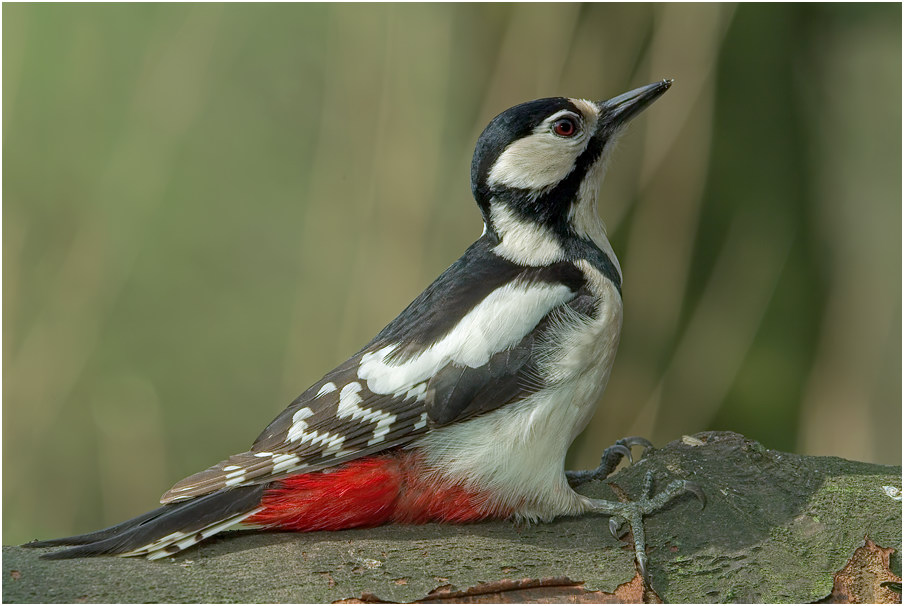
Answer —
206 207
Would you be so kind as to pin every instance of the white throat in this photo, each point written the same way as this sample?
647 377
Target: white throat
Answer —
584 216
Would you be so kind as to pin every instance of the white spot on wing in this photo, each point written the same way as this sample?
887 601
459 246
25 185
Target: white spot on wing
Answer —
299 427
327 388
382 429
349 402
300 431
418 392
282 462
334 445
422 422
302 414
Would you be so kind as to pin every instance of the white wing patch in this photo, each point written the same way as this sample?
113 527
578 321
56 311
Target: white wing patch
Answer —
497 323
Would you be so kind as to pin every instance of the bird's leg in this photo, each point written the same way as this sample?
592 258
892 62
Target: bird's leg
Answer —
612 456
633 513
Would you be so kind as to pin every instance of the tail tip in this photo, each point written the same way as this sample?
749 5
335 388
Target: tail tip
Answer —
35 543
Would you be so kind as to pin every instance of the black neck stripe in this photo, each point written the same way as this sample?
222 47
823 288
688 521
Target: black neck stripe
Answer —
579 248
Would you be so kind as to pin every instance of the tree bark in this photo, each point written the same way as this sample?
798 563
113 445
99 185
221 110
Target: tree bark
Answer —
777 527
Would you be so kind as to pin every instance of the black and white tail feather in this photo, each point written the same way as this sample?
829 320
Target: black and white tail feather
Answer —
165 530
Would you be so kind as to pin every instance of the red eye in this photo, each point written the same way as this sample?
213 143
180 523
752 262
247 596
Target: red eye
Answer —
565 127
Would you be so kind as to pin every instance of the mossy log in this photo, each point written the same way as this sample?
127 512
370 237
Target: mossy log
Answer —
777 527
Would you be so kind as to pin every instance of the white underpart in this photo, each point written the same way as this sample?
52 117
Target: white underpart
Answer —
521 241
516 454
495 324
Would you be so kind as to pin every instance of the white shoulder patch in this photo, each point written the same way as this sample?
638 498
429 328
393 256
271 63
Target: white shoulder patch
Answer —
495 324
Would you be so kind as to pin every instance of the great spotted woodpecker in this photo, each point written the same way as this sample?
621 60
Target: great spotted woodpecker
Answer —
464 406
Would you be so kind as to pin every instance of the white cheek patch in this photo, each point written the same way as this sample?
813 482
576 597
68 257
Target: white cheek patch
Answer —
535 162
542 159
497 323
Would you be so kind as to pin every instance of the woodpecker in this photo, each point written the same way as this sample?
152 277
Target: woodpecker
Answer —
463 407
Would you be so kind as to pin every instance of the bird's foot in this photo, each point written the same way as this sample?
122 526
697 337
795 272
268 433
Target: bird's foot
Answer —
612 456
632 513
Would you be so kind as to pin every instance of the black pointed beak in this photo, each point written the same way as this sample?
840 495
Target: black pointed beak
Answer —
618 111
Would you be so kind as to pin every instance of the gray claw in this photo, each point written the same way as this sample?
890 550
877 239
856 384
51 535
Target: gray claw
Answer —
615 527
623 450
633 512
642 568
697 491
633 441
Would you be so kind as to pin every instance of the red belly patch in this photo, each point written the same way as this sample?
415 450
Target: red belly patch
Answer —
385 488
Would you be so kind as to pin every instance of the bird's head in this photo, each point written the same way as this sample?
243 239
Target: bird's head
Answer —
538 166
